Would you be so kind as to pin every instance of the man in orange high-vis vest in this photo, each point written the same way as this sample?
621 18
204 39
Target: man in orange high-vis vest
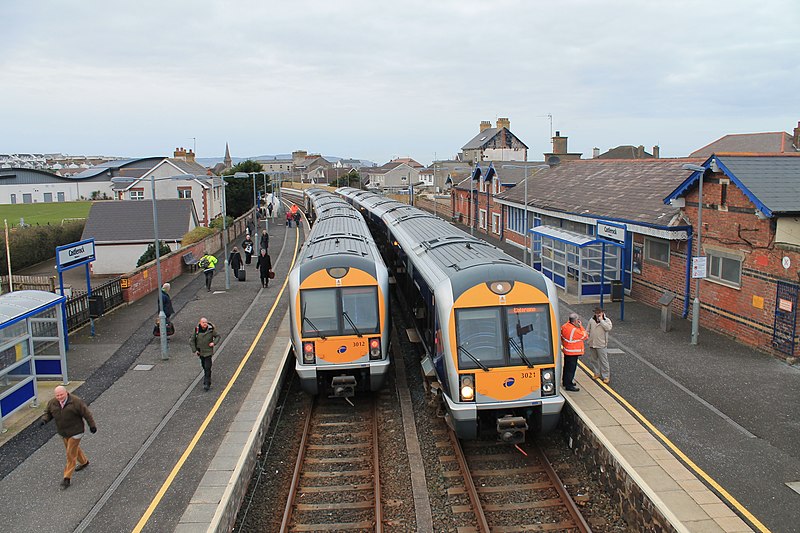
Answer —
572 337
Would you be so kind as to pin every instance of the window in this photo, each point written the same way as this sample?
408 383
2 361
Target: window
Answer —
137 194
725 267
186 192
482 218
656 251
339 311
496 223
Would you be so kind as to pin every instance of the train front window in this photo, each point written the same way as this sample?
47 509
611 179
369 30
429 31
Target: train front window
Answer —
361 306
479 337
320 312
339 311
504 336
528 333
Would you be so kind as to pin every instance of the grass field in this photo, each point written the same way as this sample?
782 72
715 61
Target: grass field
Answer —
43 213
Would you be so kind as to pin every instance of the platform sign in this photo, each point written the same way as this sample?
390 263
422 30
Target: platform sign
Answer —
611 231
699 267
72 255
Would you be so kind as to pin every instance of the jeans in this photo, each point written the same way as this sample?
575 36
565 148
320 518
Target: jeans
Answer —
205 362
209 276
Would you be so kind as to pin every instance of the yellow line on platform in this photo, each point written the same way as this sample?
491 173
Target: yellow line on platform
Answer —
201 430
682 456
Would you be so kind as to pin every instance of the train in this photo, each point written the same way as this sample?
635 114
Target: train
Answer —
339 302
488 322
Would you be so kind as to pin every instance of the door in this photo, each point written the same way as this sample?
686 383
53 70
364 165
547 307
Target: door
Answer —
783 331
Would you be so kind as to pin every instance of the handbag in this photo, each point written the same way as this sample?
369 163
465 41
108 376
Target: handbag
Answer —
271 275
157 330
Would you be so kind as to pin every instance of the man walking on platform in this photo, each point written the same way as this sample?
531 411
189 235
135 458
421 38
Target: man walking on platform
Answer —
208 263
203 342
69 412
572 337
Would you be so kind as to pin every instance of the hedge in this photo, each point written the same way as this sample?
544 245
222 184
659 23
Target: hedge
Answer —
34 244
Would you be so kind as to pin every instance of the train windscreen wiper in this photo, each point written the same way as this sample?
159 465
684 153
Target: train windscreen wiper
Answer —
477 362
352 324
514 345
306 319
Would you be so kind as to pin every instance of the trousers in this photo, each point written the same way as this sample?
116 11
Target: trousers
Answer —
570 365
209 276
598 362
205 362
74 455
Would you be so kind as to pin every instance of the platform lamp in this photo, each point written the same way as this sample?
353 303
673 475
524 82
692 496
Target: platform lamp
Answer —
699 250
526 167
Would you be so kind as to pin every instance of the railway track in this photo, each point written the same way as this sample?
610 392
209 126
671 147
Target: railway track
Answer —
506 489
336 481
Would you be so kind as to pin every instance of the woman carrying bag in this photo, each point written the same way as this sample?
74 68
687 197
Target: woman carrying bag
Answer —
264 265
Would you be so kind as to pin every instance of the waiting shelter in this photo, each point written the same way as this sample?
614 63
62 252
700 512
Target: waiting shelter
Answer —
582 265
32 346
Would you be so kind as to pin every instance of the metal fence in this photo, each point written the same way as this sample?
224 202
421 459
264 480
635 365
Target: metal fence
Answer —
78 305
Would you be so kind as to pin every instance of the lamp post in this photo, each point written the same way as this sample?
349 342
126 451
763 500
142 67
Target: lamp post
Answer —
526 167
698 253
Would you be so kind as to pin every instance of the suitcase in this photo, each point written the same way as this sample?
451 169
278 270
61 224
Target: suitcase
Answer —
241 275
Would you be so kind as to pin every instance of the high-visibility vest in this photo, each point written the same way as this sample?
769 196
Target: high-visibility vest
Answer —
572 338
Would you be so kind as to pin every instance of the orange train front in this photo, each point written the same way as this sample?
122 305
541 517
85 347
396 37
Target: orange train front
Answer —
339 303
488 322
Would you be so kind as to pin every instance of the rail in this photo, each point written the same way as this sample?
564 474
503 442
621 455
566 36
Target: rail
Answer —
78 305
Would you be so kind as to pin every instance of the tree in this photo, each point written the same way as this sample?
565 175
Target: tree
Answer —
239 198
150 253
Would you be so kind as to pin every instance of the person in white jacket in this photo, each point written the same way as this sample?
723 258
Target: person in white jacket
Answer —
599 326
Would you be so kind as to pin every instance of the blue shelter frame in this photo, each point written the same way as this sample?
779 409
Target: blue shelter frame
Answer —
32 346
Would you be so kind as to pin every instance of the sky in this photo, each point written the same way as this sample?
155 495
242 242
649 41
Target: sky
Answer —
375 80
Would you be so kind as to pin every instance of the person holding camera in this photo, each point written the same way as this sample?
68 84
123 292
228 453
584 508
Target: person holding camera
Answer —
599 326
69 412
572 337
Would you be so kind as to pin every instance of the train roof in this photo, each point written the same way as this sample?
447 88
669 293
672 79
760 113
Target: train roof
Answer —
438 249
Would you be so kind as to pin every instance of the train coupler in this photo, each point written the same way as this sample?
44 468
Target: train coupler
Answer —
511 429
343 387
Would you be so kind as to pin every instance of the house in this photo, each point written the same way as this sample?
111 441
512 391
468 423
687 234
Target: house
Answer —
123 230
392 176
778 142
494 144
626 151
408 161
205 191
751 241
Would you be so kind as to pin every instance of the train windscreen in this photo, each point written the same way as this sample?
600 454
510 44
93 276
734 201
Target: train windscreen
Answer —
339 311
503 336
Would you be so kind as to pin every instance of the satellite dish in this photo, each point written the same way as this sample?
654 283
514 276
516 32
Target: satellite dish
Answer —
553 160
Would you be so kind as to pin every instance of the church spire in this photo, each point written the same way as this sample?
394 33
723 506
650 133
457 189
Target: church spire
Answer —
228 161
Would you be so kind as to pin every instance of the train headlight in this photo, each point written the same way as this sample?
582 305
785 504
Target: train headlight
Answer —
548 382
309 353
375 349
467 387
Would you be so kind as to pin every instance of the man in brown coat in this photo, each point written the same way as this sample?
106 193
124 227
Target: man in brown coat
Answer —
69 412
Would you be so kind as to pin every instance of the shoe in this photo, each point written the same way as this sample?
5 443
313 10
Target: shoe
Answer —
607 381
65 483
572 388
81 467
206 387
595 376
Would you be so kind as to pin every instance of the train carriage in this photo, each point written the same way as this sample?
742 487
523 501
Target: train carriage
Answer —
489 323
339 303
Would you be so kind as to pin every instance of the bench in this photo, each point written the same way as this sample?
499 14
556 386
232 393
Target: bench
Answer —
190 261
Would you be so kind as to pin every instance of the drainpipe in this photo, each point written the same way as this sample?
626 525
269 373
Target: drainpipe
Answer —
688 287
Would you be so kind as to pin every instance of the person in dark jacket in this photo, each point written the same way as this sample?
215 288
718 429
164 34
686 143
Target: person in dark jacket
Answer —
69 412
297 218
235 260
264 240
203 342
249 247
264 265
166 301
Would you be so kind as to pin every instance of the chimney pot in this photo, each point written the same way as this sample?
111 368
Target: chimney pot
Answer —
656 152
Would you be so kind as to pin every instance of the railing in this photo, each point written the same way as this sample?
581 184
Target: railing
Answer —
29 283
78 305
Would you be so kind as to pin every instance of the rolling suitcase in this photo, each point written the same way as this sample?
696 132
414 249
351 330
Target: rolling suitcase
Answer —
241 275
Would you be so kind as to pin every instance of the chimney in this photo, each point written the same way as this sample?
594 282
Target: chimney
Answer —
190 156
180 153
485 125
503 123
595 152
559 144
640 152
797 137
656 152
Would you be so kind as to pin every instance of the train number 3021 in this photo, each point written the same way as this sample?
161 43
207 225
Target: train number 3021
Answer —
527 375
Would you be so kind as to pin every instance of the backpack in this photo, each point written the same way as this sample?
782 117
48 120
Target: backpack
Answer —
203 263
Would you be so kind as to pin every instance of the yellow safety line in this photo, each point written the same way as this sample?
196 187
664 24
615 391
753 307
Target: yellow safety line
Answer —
201 430
699 471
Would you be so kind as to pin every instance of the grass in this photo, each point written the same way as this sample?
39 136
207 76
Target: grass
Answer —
43 213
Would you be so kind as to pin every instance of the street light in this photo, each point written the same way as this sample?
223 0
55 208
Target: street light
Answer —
526 167
699 251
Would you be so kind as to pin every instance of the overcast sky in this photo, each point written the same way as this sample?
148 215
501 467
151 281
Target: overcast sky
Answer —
375 80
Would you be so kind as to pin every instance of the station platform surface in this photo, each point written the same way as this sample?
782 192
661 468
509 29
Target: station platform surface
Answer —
721 446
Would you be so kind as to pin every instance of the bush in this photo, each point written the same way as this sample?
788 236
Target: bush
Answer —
216 223
197 234
34 244
150 253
